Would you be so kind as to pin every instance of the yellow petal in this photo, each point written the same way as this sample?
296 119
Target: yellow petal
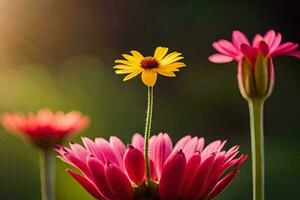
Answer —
160 52
167 69
131 58
125 71
124 67
171 60
166 73
169 57
173 66
126 62
137 55
130 76
149 77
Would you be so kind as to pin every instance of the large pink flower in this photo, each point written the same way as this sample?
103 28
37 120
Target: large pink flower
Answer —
45 129
187 171
256 70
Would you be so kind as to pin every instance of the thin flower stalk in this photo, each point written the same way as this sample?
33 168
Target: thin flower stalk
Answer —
256 79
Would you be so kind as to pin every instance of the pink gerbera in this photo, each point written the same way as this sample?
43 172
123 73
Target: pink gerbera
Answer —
46 128
187 171
255 71
269 44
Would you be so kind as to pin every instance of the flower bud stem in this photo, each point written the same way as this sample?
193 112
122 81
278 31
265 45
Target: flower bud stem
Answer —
47 173
148 132
257 147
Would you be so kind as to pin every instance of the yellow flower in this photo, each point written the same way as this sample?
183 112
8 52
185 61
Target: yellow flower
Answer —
149 66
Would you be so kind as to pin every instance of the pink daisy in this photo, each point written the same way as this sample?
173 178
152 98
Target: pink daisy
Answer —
46 128
187 171
255 61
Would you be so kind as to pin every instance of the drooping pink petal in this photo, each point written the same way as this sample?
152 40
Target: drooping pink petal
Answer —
86 184
134 163
215 171
118 182
97 171
220 58
79 151
294 54
225 47
172 176
76 162
238 38
284 48
223 183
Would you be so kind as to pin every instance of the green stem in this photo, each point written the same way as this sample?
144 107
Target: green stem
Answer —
148 132
47 170
257 145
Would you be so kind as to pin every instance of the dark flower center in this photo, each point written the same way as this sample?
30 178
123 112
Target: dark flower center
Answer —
149 63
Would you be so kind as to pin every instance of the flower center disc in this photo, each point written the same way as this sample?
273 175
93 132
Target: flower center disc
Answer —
149 63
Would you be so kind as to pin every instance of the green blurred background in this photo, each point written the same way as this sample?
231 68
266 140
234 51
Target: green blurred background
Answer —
60 53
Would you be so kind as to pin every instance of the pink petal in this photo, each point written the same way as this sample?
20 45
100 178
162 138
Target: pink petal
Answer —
160 151
238 38
135 165
294 54
172 176
220 58
138 141
106 151
211 148
153 172
225 47
93 149
284 48
97 170
270 37
221 146
276 43
200 145
190 148
80 151
257 40
215 172
222 184
190 171
264 48
76 162
87 185
181 143
118 182
198 185
249 52
118 147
